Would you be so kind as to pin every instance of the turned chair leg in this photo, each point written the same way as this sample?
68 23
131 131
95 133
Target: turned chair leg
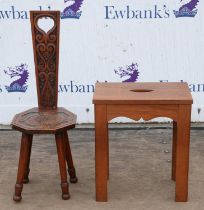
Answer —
62 165
68 154
26 177
23 159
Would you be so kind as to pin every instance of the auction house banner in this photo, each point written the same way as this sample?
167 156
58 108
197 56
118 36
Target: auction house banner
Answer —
104 41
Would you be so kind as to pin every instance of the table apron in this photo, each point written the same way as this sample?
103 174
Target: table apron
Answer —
146 112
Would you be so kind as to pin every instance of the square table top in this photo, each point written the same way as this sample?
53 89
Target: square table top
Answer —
142 93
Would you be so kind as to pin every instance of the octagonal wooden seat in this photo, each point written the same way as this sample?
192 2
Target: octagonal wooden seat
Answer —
47 118
35 121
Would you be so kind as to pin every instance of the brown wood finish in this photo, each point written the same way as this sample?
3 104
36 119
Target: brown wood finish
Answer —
26 177
68 155
138 111
47 118
182 152
35 121
174 144
101 151
46 56
23 160
107 152
126 93
147 101
62 165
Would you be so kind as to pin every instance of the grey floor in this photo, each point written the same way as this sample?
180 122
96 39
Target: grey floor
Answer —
140 169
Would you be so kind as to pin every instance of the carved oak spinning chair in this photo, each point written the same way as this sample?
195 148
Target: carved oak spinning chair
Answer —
47 118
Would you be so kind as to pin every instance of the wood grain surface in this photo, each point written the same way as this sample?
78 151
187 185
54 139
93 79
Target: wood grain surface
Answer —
146 101
135 93
47 117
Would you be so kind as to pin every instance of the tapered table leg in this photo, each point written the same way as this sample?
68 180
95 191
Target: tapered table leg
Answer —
182 153
101 152
174 144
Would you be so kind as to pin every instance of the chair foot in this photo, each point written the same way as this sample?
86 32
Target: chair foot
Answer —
18 189
26 178
73 180
65 191
17 198
72 173
65 196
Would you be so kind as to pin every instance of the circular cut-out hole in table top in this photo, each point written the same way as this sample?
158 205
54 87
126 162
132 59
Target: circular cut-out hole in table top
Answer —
141 90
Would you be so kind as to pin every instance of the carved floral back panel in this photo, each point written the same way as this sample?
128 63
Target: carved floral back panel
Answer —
46 57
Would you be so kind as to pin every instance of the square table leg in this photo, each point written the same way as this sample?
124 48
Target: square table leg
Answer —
182 152
107 152
174 144
101 152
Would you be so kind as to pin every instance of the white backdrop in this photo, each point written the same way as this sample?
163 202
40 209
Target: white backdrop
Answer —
109 34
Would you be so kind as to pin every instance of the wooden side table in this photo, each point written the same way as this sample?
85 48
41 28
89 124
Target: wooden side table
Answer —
147 101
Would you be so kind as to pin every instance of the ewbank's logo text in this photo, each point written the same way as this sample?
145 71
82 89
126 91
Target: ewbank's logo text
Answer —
156 11
128 12
197 88
75 87
69 8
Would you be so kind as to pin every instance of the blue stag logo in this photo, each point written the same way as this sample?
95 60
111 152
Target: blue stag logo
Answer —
73 10
187 10
130 71
21 72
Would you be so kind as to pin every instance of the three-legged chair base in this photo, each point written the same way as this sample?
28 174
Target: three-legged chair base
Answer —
64 155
